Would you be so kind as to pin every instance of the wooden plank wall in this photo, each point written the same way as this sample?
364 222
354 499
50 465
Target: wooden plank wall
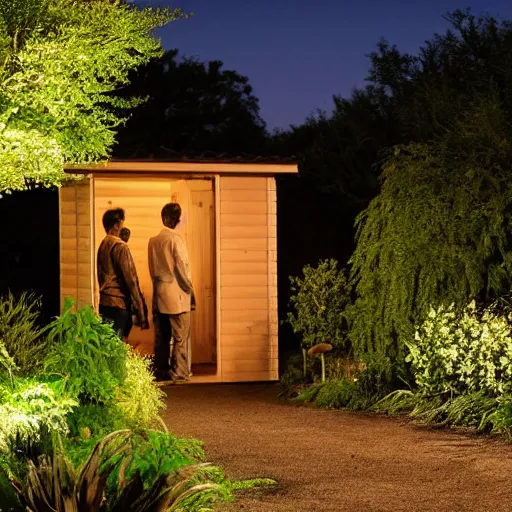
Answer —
248 294
75 198
273 321
142 201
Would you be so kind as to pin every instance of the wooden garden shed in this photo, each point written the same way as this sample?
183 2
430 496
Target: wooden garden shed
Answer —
229 224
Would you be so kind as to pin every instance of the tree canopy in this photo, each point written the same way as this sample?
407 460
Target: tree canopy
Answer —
192 107
62 63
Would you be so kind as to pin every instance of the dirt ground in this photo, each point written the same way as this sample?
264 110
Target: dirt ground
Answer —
338 460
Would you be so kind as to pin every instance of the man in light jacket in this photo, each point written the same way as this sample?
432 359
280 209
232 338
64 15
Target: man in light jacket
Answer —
173 296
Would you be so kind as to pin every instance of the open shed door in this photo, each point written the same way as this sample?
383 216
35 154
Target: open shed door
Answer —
142 200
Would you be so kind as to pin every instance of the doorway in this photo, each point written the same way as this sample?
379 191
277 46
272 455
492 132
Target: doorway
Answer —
142 199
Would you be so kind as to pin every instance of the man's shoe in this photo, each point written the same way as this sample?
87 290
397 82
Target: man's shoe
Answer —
180 380
162 377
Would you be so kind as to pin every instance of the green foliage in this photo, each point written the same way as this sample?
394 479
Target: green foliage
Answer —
45 435
118 477
30 412
152 455
501 417
319 300
8 498
370 384
462 365
139 399
19 334
155 453
476 410
462 353
95 421
359 393
242 485
293 379
58 81
88 353
88 424
350 384
309 394
294 373
438 233
335 393
332 394
7 365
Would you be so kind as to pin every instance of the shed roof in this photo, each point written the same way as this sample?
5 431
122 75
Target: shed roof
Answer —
202 164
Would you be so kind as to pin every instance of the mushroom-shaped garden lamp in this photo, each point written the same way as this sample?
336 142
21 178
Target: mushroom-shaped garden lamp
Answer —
320 350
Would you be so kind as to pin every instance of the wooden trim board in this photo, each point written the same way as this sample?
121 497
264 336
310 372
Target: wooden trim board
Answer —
218 287
215 168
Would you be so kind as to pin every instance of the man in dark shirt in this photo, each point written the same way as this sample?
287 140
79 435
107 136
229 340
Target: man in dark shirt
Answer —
120 294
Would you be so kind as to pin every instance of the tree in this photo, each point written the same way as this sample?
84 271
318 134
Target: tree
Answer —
439 231
62 63
192 107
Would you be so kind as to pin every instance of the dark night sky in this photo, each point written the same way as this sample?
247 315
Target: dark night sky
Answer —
298 53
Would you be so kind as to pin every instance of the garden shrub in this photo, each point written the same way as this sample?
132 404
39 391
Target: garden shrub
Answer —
293 379
20 334
476 409
462 352
309 394
462 363
89 386
88 354
29 409
339 366
319 299
8 367
156 453
335 393
138 398
501 417
9 501
111 479
371 383
153 453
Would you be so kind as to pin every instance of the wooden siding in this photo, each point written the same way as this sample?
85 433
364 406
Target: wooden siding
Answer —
248 282
239 303
75 199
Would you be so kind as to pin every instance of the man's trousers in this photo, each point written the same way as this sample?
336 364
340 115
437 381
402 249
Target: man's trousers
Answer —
177 328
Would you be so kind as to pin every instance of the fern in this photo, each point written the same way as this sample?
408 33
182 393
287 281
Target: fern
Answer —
88 354
20 335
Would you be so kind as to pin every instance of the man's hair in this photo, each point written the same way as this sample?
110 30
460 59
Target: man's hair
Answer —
112 217
124 234
172 212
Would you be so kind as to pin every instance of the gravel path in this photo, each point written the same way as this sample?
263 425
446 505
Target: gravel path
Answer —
338 460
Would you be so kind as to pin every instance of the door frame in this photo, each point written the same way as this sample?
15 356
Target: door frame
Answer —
215 178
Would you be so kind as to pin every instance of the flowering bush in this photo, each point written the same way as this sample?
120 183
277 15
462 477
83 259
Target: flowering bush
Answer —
462 352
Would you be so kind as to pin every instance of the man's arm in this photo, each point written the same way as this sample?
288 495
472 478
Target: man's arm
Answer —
182 266
150 260
127 268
